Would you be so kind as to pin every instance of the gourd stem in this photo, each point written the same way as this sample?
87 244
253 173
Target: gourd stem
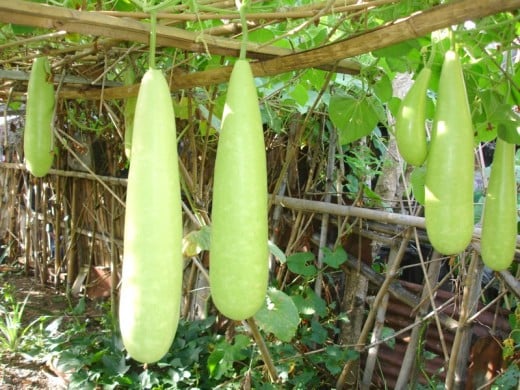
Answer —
153 39
432 57
451 34
243 21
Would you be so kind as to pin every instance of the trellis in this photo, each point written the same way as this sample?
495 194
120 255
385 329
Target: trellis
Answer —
102 195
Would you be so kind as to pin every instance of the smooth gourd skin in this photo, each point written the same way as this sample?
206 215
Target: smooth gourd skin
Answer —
152 265
450 164
38 140
498 240
238 252
410 133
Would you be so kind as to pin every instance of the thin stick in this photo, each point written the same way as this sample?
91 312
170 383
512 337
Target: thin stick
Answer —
463 320
263 349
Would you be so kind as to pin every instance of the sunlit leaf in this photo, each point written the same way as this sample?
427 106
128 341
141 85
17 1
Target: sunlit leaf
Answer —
308 303
196 241
279 316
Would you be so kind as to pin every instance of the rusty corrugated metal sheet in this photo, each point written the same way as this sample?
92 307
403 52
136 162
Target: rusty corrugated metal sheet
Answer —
493 321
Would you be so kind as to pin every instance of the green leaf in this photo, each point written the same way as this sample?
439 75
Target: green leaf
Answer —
509 379
387 332
399 56
220 361
417 179
354 118
318 332
509 129
308 303
279 316
276 252
383 87
180 107
393 105
485 132
300 94
196 241
298 263
336 356
19 29
261 35
336 258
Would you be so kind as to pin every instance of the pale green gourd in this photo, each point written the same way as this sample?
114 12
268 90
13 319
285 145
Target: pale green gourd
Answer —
410 132
239 252
38 140
152 265
499 223
450 164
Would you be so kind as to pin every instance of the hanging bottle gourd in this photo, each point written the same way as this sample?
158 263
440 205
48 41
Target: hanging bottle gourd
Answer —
152 264
450 164
38 140
238 251
499 222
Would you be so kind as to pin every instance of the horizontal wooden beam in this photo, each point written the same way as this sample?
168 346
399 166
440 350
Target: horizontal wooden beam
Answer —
127 29
269 62
415 26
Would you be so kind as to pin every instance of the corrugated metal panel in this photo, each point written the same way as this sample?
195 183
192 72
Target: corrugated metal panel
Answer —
491 322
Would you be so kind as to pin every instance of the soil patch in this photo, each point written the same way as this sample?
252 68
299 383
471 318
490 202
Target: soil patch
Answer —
16 371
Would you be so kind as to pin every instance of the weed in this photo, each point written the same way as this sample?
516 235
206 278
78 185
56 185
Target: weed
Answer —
13 333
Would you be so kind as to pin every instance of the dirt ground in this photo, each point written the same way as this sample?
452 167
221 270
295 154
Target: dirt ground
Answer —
15 371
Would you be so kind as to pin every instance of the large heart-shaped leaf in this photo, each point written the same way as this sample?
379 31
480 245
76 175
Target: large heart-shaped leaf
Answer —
354 118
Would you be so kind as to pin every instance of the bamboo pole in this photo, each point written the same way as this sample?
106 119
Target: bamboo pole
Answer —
462 333
427 298
126 29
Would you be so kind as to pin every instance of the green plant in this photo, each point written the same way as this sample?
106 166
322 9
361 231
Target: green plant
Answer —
13 332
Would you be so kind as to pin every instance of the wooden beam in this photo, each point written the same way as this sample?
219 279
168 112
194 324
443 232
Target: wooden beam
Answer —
414 26
271 61
127 29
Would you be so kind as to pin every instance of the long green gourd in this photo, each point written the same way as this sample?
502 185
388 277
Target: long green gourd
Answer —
499 223
38 140
450 164
410 132
152 264
238 251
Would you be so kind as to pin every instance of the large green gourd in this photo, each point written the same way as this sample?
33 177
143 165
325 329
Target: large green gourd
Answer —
498 241
410 132
152 265
238 251
38 140
450 164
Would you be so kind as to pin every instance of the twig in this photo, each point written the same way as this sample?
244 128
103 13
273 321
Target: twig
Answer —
268 360
469 282
413 345
325 217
